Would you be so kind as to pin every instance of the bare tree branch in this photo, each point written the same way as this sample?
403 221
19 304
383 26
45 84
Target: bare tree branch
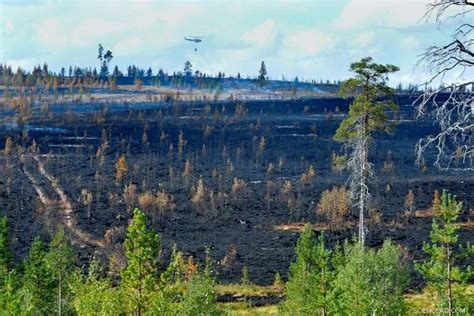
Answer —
452 104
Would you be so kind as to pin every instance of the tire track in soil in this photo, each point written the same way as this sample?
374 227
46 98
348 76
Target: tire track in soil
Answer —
66 206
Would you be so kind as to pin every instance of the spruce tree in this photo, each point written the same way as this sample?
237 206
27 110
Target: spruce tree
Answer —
139 279
262 74
440 269
38 294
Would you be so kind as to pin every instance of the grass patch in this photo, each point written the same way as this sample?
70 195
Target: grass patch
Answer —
248 290
427 299
415 301
242 309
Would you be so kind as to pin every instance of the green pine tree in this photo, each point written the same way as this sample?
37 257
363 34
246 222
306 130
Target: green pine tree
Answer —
200 296
60 260
139 279
440 270
5 253
10 299
94 295
308 290
371 282
172 284
368 113
38 294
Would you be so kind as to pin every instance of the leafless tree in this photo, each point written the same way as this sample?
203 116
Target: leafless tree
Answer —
452 67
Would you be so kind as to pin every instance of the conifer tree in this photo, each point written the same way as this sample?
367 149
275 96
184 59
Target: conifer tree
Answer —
367 114
200 296
10 299
309 285
38 294
60 259
440 270
371 282
9 283
262 74
171 283
139 279
5 254
94 295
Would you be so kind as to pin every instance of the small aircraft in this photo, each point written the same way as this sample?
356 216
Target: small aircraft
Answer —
195 39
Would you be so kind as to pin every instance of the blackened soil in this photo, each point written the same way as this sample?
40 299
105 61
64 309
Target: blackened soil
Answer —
241 227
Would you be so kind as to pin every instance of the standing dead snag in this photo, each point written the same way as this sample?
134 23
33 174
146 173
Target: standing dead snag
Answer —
86 200
367 114
451 67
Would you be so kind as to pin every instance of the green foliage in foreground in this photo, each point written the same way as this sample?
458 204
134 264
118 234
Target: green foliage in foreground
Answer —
359 281
348 280
447 280
51 284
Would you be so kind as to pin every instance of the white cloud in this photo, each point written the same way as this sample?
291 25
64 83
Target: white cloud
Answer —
262 34
51 33
364 39
388 13
306 43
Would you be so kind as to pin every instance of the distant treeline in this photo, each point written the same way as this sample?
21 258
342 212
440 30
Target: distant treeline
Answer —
77 76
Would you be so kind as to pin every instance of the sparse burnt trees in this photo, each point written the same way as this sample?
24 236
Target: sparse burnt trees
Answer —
451 66
334 204
165 205
307 178
410 202
86 200
199 195
121 169
261 148
130 196
187 173
368 113
157 206
287 196
238 189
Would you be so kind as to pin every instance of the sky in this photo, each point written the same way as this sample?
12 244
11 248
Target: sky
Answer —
310 39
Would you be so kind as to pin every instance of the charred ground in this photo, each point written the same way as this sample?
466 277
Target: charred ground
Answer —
221 141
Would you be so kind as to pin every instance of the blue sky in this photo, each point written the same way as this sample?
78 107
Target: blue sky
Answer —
309 39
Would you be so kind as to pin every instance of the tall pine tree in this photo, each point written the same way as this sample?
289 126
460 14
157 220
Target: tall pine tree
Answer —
139 279
38 294
60 259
